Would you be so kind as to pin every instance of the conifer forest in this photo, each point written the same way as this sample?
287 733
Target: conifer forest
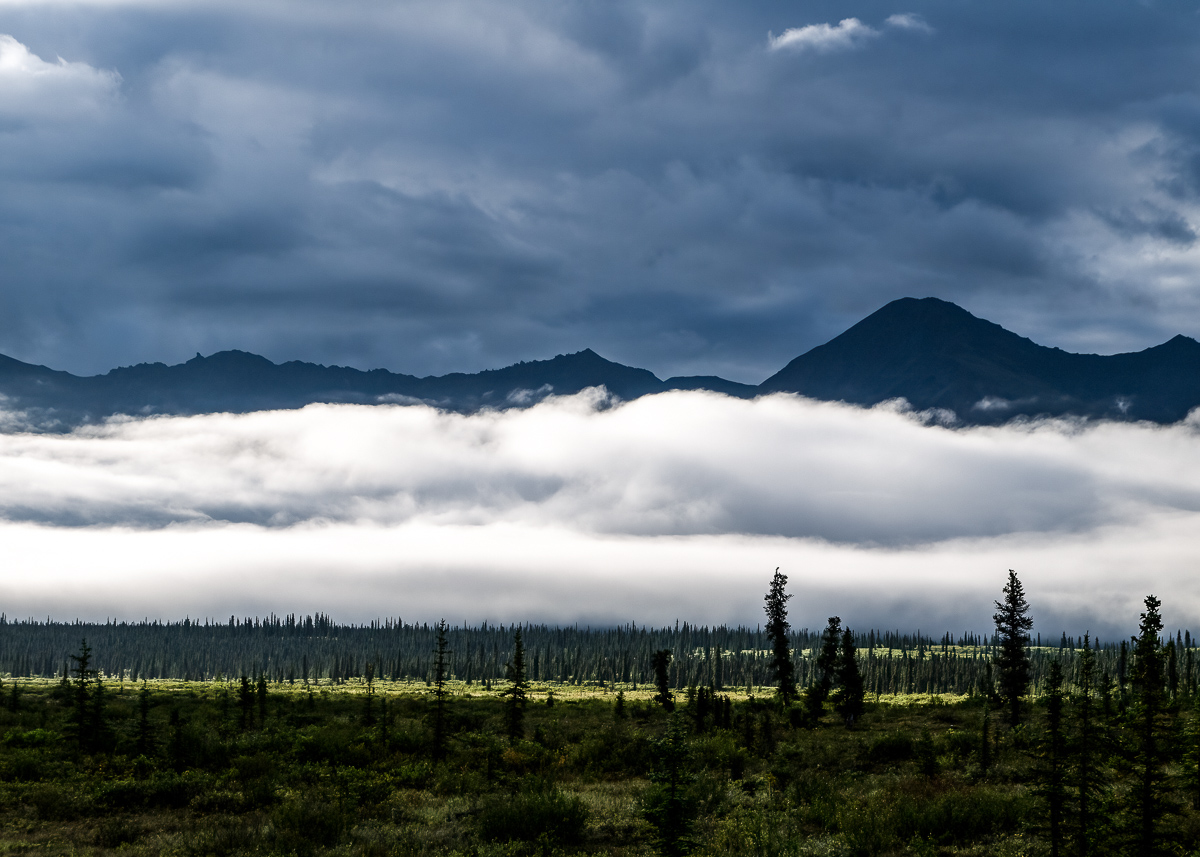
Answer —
297 735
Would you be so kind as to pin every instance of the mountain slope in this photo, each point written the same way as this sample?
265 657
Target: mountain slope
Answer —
938 355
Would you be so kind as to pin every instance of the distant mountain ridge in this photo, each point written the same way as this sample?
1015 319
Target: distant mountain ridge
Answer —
928 351
937 355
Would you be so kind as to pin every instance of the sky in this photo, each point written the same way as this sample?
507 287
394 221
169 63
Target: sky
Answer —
688 187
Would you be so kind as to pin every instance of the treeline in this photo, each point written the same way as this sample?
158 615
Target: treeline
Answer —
317 649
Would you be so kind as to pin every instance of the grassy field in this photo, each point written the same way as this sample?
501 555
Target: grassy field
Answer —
309 770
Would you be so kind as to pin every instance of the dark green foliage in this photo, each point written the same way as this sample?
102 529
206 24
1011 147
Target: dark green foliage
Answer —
439 692
848 701
145 736
782 671
662 681
1147 680
540 812
260 693
985 742
1054 759
1013 624
825 669
245 703
668 803
1086 779
79 720
369 699
517 691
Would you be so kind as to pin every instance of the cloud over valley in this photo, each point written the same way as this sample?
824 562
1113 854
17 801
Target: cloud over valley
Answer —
675 505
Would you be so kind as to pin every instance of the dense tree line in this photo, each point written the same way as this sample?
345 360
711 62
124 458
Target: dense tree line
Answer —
317 649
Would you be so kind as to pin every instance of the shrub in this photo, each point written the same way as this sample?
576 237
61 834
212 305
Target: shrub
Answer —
310 819
891 748
534 814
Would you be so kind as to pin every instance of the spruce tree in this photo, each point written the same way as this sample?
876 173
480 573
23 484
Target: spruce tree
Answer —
848 702
1085 751
669 804
261 692
369 701
782 670
1013 624
145 740
1053 782
79 718
517 690
245 703
825 669
439 691
661 663
1148 703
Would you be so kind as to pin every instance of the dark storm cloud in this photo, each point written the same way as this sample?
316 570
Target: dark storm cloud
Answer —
689 187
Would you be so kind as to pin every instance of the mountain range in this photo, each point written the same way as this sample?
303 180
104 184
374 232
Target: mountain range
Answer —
929 351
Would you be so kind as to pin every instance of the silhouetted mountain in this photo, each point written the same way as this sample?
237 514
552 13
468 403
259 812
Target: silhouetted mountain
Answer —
237 381
937 355
928 351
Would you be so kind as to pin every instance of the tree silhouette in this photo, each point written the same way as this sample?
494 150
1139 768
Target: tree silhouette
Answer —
517 690
661 662
1086 752
1012 659
79 722
145 740
848 702
782 670
1053 781
245 703
1149 698
439 691
825 668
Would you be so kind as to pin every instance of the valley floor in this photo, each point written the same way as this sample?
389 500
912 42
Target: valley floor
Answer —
205 768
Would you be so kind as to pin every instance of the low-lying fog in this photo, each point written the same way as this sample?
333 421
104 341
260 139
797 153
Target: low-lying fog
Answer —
675 506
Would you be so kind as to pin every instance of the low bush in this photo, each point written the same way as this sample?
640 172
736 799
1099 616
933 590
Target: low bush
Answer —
533 814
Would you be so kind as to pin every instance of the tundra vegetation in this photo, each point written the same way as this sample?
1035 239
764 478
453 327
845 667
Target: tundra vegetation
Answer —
680 744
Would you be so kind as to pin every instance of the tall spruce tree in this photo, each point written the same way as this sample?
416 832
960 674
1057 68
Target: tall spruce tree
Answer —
848 702
825 669
782 670
1085 751
1053 781
1149 698
517 690
1013 624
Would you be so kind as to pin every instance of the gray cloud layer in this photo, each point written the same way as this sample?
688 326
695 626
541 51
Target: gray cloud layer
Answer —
672 506
692 187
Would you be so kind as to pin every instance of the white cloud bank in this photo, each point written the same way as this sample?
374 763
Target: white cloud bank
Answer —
673 506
